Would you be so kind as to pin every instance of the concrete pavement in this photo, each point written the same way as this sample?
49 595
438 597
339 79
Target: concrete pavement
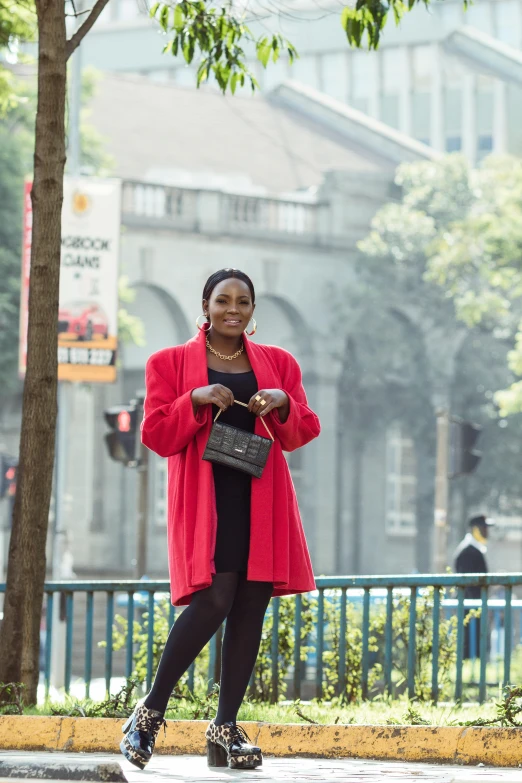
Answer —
193 769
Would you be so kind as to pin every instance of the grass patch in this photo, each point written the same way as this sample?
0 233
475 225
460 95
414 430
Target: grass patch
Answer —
398 712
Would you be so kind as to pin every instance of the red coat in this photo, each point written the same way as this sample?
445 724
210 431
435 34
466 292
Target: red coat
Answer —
278 550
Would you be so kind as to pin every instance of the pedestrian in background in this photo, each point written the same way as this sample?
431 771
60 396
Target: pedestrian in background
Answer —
470 558
233 540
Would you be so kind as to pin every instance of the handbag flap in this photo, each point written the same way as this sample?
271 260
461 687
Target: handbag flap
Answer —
238 443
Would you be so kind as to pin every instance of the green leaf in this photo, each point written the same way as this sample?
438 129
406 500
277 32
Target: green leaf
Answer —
188 50
203 73
164 17
154 9
179 18
233 82
263 51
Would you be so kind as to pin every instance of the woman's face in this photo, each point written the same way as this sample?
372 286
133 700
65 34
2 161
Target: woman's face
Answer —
230 307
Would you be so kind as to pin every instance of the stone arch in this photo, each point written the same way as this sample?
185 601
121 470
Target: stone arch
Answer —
386 389
163 320
280 323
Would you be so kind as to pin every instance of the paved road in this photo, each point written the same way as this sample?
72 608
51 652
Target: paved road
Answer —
193 769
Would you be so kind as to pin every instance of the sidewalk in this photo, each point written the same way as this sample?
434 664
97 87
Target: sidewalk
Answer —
193 769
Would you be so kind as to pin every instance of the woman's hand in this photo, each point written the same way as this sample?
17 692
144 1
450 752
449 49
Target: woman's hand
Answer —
216 394
273 398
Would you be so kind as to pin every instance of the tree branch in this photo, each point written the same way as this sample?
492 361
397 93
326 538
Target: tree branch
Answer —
79 35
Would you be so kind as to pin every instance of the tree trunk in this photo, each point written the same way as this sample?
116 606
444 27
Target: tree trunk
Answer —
19 642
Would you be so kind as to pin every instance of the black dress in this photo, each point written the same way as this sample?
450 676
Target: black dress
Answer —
233 486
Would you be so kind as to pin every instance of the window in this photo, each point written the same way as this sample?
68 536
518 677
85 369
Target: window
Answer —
479 16
363 75
451 14
306 71
334 73
453 144
401 483
453 112
127 10
390 110
485 143
421 114
394 66
423 65
160 492
509 22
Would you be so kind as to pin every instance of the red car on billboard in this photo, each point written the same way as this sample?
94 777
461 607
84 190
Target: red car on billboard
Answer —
82 321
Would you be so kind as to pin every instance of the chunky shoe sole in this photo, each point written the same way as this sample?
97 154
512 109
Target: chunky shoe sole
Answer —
217 756
131 755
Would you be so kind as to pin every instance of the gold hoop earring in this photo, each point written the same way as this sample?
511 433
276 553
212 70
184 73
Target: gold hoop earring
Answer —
254 330
201 328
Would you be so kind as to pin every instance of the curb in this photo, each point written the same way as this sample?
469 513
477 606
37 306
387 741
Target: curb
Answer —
445 744
21 768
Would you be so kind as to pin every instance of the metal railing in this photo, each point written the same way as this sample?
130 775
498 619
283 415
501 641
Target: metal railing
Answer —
369 594
212 211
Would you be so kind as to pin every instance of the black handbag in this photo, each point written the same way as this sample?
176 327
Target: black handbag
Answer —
237 448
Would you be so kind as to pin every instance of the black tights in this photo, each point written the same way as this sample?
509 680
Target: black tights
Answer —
243 604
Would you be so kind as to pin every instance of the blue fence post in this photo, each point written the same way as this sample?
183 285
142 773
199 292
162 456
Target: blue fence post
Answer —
297 647
460 644
191 676
435 648
129 658
365 643
211 663
68 640
274 652
341 685
411 643
388 639
319 651
483 643
150 638
108 649
48 642
508 635
89 617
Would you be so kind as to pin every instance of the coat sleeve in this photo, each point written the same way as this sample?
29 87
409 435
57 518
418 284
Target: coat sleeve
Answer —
302 424
169 422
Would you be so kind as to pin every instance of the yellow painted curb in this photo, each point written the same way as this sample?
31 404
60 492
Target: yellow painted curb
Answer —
449 744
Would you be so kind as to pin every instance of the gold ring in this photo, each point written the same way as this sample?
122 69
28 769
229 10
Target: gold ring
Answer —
263 402
258 398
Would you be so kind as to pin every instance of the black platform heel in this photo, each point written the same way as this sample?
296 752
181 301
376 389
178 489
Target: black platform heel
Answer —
229 745
216 755
140 732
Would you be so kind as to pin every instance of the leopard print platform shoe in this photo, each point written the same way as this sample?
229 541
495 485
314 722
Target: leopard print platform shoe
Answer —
141 730
229 745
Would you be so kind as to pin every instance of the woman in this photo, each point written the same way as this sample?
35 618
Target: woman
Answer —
233 541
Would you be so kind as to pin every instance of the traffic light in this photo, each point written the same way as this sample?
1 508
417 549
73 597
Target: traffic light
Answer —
122 442
464 457
9 468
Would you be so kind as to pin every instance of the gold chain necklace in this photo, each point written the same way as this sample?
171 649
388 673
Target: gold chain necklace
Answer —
222 355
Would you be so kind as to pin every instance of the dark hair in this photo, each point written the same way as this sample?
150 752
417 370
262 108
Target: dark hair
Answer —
226 274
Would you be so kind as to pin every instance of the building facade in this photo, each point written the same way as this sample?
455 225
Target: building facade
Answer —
449 77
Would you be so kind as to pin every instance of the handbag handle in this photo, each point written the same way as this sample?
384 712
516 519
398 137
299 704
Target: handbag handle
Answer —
238 402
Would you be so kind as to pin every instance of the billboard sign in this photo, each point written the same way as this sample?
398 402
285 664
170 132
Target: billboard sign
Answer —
88 306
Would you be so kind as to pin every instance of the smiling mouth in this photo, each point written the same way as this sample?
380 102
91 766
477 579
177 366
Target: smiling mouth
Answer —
233 321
